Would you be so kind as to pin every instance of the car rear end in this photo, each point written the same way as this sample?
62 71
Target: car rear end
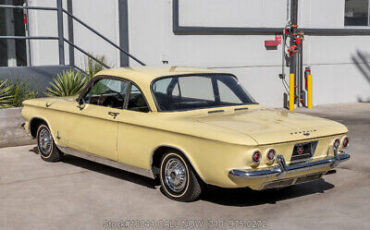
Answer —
289 163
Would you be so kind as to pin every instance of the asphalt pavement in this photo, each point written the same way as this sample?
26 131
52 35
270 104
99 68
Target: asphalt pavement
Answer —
78 194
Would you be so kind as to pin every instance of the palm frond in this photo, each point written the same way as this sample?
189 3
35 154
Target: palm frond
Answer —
5 94
68 83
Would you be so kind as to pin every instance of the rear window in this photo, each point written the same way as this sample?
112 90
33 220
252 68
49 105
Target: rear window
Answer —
190 92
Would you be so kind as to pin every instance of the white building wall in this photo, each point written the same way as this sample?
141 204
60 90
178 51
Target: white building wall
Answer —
102 15
335 76
321 14
233 13
43 23
152 39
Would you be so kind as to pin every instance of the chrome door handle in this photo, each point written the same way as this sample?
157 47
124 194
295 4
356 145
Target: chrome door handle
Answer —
113 114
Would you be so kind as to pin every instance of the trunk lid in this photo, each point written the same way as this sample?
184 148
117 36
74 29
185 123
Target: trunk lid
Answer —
268 126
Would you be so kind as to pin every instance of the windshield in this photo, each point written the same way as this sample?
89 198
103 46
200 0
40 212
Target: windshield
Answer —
190 92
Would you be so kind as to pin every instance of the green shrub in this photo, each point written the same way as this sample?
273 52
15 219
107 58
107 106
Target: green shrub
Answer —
21 91
68 83
5 96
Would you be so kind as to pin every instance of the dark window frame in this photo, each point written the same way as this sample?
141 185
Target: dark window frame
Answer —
128 98
356 26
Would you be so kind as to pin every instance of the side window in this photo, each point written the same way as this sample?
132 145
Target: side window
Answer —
137 101
227 96
108 92
162 86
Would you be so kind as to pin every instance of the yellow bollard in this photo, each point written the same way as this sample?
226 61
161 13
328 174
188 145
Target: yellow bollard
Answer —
309 91
291 92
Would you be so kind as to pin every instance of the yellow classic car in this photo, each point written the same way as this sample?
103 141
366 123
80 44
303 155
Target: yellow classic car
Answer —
187 127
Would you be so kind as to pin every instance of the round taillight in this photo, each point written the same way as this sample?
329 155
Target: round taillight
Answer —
271 154
345 142
256 157
336 143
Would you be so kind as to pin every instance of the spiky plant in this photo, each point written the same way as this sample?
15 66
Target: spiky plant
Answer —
5 95
68 83
21 91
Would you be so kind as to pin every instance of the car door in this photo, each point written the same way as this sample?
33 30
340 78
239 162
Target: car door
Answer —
135 141
95 128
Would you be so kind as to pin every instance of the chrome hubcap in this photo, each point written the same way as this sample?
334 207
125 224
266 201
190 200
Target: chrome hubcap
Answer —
45 141
175 175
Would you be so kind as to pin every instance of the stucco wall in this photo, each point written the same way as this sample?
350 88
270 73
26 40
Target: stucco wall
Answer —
102 15
336 76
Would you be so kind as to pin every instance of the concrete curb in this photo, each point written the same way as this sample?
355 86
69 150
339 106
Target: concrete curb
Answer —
11 132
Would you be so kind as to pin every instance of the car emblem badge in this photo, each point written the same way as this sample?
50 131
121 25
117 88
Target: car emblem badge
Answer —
300 150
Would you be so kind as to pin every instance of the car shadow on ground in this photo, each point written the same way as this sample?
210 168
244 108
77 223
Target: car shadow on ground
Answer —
106 170
248 197
110 171
228 197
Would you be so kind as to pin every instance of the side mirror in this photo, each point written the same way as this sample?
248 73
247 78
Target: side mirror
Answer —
81 103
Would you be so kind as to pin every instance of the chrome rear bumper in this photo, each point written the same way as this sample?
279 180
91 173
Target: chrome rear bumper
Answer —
284 169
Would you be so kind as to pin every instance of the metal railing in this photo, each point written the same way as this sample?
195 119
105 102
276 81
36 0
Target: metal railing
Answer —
61 39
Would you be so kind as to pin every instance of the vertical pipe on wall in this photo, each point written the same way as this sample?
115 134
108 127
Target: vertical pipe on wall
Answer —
294 21
294 11
297 80
27 33
60 32
309 91
291 91
123 31
70 34
300 76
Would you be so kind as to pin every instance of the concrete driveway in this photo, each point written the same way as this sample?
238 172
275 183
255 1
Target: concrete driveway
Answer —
77 194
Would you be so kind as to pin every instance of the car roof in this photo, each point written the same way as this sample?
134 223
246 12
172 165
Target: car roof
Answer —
145 75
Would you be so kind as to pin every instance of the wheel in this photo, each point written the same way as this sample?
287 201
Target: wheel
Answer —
46 146
178 180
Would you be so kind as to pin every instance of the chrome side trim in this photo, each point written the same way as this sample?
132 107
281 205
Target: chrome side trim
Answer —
105 161
283 169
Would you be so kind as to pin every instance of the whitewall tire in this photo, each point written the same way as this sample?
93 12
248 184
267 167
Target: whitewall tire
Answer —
178 179
46 145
